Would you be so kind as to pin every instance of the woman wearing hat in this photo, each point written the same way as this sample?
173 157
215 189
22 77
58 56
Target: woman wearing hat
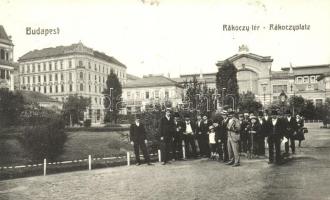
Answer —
253 133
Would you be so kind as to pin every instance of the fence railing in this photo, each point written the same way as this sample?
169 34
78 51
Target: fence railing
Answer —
313 121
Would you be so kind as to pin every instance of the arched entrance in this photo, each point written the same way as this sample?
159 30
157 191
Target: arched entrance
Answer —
247 81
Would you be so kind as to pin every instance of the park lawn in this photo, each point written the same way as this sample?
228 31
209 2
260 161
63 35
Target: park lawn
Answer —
79 145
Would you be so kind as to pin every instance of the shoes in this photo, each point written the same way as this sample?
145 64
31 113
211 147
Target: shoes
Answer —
137 164
236 165
230 163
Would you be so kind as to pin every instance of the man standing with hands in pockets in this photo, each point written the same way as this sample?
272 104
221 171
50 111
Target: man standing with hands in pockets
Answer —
233 128
138 138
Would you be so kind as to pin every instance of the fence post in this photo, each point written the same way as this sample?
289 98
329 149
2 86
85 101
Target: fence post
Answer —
45 166
89 162
183 150
159 156
128 159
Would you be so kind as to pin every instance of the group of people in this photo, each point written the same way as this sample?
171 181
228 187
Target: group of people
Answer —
225 138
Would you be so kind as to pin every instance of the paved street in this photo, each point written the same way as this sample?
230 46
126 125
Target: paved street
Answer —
305 176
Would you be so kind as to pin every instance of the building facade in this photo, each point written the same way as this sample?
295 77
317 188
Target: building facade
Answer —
149 91
255 74
70 70
6 60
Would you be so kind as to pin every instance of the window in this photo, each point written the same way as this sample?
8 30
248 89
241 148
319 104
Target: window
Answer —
156 93
312 79
55 65
62 88
167 94
39 67
50 89
70 87
28 79
33 67
44 66
45 79
50 66
299 79
147 95
70 76
89 65
70 63
50 77
89 88
62 77
61 64
28 69
80 63
89 77
39 79
306 79
56 78
81 87
33 79
45 89
56 89
2 54
128 95
137 95
81 75
280 88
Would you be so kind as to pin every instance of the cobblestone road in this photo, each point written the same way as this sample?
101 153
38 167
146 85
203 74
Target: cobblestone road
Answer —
305 176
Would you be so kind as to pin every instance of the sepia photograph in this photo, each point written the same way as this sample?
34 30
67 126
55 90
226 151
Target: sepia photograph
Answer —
164 99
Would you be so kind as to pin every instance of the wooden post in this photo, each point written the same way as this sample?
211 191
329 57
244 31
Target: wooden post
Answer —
183 150
89 162
159 156
45 166
128 159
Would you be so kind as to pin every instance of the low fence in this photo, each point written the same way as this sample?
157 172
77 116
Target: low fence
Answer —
313 121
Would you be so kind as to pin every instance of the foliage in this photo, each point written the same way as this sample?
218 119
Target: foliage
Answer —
309 110
247 103
44 135
87 123
227 78
74 108
11 106
112 101
298 103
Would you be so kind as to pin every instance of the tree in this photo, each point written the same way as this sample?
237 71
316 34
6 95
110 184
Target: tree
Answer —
11 106
297 104
44 139
309 110
227 78
74 108
112 100
247 103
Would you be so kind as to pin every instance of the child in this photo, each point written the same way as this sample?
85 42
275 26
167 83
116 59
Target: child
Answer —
212 142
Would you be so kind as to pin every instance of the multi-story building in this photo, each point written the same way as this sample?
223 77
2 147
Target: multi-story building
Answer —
6 60
70 70
150 90
255 74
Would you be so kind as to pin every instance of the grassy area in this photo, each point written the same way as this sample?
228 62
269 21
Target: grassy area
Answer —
80 144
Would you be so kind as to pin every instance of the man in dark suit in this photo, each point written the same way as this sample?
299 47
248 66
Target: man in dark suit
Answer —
291 130
177 137
205 149
274 138
198 133
265 127
138 138
222 136
189 140
166 130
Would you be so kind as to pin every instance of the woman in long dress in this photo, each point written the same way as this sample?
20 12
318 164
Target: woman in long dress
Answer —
300 133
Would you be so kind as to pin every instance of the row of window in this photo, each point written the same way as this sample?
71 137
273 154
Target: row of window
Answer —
60 88
59 65
147 94
4 74
306 79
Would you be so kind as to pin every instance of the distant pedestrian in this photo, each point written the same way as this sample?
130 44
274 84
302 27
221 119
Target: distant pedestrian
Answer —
177 137
204 148
274 138
253 133
138 138
291 130
188 137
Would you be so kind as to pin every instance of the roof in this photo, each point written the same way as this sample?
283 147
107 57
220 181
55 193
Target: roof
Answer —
58 51
323 76
35 97
309 69
132 77
248 55
4 37
204 79
280 75
151 81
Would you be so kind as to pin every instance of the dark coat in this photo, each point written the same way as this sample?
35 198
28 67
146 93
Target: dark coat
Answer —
265 126
205 127
198 128
279 129
178 129
137 133
291 126
166 128
255 127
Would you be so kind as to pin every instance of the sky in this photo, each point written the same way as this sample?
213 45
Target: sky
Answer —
174 36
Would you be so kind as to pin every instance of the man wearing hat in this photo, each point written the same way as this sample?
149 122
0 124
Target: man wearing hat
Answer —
188 136
222 136
291 130
265 122
204 148
138 138
233 128
274 138
177 137
166 129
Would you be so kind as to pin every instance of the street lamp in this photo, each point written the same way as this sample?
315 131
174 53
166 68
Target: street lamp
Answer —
264 91
283 99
